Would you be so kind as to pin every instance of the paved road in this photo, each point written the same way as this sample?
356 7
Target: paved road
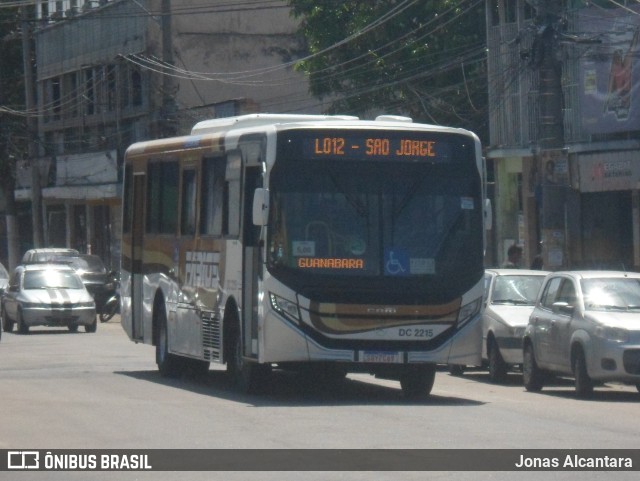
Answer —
68 391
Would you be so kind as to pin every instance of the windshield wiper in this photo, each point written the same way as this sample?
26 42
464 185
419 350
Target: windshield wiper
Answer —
608 307
518 302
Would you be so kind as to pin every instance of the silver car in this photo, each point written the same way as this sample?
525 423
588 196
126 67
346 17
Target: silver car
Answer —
510 295
47 295
586 324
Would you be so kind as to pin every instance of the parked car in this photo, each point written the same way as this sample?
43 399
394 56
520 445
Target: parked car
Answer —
47 295
509 297
35 256
99 282
4 278
586 324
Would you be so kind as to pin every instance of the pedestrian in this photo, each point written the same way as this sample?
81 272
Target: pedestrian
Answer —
514 257
537 263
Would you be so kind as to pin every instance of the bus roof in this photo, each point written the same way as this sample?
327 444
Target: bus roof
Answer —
315 121
253 120
208 134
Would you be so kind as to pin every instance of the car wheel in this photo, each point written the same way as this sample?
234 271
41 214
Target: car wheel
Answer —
638 387
531 373
22 326
456 369
7 323
93 327
583 383
497 366
72 327
417 381
169 364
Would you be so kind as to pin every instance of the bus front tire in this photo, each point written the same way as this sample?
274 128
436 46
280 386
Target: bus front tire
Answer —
246 377
417 381
169 364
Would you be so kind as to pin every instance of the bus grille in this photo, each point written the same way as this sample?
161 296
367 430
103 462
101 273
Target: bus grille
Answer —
211 336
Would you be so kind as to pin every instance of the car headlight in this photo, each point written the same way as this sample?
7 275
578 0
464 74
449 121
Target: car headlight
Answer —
285 308
518 331
612 334
469 311
33 305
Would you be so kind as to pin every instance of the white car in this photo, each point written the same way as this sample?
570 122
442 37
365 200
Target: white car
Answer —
510 297
47 295
586 324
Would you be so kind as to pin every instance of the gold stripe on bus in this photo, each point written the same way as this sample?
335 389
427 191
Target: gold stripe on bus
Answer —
180 145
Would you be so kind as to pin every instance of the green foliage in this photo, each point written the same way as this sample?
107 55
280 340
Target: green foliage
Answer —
423 58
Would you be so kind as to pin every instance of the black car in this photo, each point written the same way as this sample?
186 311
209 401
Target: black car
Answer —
97 279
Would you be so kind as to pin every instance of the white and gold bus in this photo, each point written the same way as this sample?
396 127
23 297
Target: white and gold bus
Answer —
326 244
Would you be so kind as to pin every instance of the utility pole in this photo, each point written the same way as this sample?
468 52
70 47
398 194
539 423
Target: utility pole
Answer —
8 182
552 155
169 87
32 127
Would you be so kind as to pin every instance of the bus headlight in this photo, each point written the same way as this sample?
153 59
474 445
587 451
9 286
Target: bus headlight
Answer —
469 311
285 308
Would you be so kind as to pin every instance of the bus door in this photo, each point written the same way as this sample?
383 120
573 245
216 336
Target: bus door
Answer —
251 268
137 261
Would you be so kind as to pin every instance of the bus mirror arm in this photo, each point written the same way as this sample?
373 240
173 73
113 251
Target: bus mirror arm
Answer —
260 206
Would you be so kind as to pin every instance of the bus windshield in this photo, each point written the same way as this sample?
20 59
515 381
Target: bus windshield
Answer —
416 220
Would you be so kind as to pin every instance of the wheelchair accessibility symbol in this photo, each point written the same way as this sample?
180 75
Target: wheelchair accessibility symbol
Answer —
396 262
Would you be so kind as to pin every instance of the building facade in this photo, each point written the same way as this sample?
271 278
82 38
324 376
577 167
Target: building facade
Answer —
110 73
564 96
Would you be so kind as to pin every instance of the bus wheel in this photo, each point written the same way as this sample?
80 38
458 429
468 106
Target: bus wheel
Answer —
417 381
456 369
169 365
247 377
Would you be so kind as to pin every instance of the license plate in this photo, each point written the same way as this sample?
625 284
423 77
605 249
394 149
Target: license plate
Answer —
385 357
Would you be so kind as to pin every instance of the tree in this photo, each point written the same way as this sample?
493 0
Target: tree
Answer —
12 126
425 59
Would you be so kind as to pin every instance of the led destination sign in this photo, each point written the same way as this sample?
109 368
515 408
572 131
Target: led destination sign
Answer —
377 145
374 147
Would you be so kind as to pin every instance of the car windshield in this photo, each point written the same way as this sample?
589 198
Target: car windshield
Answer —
52 279
87 263
47 256
621 294
516 289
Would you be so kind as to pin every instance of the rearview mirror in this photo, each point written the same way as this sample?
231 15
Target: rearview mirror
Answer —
260 206
563 308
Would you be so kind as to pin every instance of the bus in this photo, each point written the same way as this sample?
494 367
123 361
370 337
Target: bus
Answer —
323 244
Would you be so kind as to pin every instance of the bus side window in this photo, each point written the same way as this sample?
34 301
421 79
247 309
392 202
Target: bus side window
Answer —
162 197
212 196
188 209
